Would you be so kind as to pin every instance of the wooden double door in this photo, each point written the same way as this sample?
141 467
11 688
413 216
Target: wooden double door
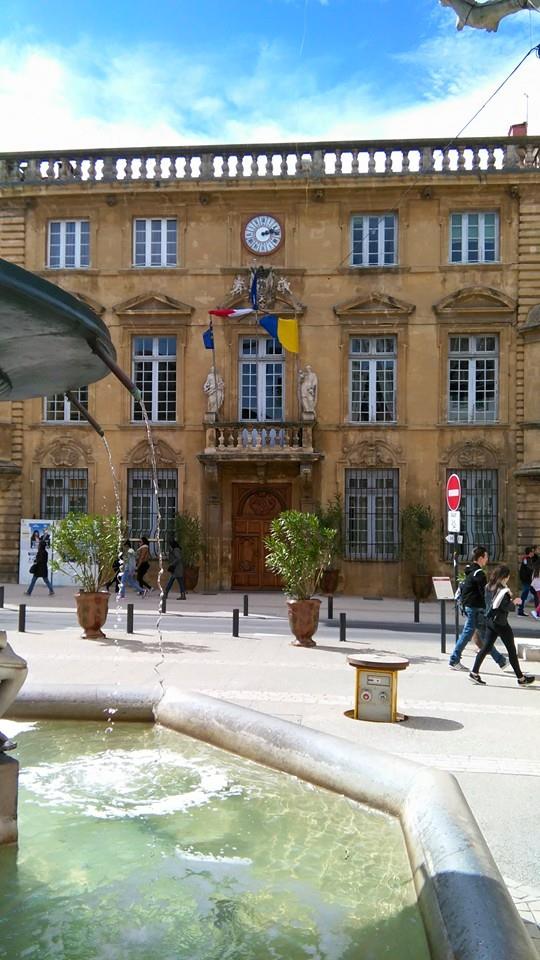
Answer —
253 509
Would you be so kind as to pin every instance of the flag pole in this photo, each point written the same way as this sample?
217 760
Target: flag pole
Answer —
214 368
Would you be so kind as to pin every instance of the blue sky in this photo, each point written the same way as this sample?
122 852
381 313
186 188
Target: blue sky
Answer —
119 74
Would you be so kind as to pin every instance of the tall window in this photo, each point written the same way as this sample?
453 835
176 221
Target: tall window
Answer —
63 492
372 373
372 514
479 511
474 237
473 368
58 409
154 373
143 503
68 244
155 242
261 379
374 240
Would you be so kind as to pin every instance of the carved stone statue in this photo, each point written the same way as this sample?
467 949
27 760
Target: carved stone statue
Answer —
309 385
214 388
487 15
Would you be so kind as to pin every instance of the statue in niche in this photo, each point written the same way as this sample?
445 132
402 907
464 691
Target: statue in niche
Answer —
309 385
487 15
214 388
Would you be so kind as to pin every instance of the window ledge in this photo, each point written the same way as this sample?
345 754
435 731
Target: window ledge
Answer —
68 271
476 425
372 424
153 270
350 270
473 266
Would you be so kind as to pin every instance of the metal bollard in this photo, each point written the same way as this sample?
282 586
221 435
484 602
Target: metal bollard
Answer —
330 608
236 622
1 596
416 610
443 626
130 618
246 605
22 617
342 627
163 604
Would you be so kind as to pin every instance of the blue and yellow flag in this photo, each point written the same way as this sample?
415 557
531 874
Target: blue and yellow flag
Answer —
284 329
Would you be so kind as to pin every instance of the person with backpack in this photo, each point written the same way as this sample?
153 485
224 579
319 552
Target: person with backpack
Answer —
499 604
473 601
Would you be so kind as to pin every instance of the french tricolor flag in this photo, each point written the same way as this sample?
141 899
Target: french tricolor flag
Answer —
231 313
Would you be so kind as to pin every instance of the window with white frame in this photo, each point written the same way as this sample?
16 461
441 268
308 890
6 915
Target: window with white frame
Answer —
372 514
155 242
63 492
372 378
474 237
261 378
473 374
154 373
374 240
58 409
143 504
479 508
68 246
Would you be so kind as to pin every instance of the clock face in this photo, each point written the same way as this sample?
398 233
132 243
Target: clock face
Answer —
263 234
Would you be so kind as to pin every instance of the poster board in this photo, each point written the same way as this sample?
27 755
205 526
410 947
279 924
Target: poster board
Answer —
443 587
30 533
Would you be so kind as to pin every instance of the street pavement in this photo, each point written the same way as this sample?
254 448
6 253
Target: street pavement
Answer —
489 737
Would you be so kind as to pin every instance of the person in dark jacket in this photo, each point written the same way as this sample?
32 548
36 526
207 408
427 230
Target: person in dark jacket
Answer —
40 568
525 579
473 600
176 569
499 604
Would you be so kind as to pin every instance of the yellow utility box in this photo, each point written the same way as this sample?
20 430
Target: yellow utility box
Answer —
375 688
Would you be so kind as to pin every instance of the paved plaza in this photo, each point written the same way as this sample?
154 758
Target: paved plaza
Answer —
489 737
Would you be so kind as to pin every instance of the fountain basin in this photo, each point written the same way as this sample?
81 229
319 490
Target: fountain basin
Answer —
467 911
47 337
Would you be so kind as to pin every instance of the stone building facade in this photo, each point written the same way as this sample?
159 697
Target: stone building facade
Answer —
413 272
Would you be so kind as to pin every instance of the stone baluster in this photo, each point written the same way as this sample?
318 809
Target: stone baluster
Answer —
33 171
108 174
269 170
298 170
490 158
426 160
207 166
317 168
283 164
92 169
445 159
187 168
371 160
460 158
405 161
172 167
254 170
128 173
475 158
158 170
339 166
221 437
388 161
286 438
230 437
258 439
295 438
354 164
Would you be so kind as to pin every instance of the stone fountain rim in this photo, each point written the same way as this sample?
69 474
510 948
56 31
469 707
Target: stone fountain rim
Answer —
467 910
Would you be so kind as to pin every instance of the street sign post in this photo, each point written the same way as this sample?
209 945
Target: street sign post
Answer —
453 501
454 521
453 492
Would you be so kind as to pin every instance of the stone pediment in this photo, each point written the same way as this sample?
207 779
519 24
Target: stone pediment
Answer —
64 452
472 454
374 305
89 302
154 305
373 452
166 457
476 300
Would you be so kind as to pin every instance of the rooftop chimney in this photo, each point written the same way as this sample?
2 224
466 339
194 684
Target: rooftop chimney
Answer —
518 130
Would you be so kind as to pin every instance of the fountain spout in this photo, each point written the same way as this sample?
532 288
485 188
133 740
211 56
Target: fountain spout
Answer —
84 412
98 349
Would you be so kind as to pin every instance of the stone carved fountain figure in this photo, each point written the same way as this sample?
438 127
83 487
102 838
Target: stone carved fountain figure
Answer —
487 15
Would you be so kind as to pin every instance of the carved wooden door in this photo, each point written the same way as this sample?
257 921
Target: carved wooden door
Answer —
254 507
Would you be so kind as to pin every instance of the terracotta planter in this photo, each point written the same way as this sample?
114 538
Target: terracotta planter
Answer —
303 621
191 577
329 581
421 585
92 610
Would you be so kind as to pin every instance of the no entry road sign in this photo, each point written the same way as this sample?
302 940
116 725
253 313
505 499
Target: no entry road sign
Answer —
453 492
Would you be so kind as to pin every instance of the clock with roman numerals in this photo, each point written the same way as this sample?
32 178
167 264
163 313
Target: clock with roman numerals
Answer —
262 234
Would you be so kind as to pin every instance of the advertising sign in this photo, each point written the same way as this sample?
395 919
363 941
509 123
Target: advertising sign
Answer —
30 535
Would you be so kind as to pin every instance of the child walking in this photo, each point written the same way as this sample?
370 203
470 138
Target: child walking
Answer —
499 604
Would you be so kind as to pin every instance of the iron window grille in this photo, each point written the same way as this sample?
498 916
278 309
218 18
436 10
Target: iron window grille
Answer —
480 525
58 409
372 514
374 240
63 492
68 245
155 242
143 505
261 379
372 372
473 375
154 373
474 237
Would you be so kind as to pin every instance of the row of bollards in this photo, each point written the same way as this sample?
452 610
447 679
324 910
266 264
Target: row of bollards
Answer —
342 619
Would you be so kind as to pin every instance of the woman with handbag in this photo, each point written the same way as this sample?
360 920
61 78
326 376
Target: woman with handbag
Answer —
40 568
499 604
176 569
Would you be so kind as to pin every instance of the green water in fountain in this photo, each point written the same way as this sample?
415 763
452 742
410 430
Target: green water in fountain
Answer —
141 844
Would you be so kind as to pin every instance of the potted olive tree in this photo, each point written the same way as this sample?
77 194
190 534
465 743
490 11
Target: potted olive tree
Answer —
189 534
85 548
299 548
331 516
417 525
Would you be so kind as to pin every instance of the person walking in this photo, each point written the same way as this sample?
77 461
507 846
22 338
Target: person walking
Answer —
525 579
143 563
499 604
128 574
40 569
473 600
176 569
